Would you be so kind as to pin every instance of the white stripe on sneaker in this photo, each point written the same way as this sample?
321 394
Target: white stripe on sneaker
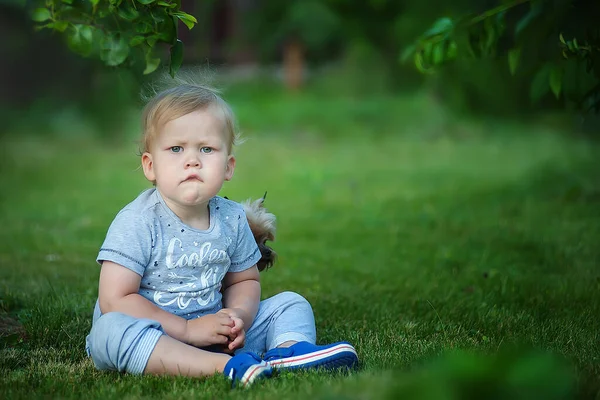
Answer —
312 357
254 372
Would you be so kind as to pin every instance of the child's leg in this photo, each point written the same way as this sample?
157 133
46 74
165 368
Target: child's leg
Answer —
126 344
172 357
283 319
285 328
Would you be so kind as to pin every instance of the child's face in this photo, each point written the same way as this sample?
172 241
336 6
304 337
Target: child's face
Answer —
189 159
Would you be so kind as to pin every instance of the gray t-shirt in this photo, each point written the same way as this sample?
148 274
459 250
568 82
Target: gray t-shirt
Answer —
181 267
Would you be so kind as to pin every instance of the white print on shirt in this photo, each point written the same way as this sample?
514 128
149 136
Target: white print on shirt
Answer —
174 276
204 256
210 277
210 282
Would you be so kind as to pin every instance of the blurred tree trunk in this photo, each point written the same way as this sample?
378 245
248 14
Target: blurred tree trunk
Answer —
293 64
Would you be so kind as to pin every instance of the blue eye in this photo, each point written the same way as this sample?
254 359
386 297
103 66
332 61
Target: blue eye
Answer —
176 149
206 150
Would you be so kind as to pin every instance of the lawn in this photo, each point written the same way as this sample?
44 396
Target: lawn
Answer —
431 242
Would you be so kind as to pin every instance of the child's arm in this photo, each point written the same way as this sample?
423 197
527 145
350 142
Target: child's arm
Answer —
118 291
241 296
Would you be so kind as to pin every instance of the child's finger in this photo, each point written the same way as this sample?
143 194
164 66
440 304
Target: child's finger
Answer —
224 330
238 325
225 319
238 342
220 339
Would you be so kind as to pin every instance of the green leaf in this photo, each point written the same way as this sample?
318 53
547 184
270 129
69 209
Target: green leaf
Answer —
160 17
113 50
61 26
473 43
420 64
534 12
562 39
187 19
67 1
539 85
513 59
187 23
438 54
407 53
151 40
570 46
49 25
136 40
174 29
80 39
491 35
152 64
555 80
452 50
442 25
427 52
463 45
166 36
184 15
128 13
176 57
167 32
143 27
165 4
41 15
146 2
38 28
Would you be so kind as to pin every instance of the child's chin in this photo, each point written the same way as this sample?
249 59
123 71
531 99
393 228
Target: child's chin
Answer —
193 202
194 198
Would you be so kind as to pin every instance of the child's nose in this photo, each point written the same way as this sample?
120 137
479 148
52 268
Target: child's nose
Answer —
192 162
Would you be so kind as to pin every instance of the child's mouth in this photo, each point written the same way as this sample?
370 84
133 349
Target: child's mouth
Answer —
193 178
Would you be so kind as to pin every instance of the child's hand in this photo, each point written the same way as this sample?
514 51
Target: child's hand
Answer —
238 333
209 329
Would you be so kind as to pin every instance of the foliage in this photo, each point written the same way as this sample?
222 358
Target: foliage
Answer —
119 32
313 23
515 374
556 42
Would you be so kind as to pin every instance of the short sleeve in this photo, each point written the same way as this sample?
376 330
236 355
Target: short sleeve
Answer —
246 252
128 242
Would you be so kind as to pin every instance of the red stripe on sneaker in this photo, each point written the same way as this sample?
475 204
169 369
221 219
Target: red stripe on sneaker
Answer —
313 355
256 368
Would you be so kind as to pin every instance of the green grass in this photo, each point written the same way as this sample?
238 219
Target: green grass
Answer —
415 236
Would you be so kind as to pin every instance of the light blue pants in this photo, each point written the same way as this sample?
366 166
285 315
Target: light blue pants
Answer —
123 343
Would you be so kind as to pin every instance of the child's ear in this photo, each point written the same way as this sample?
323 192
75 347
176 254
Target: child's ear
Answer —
148 167
229 168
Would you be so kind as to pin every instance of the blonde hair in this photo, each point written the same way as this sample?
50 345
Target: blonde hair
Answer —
181 96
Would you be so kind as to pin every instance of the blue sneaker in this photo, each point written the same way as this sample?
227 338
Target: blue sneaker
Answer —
245 368
307 355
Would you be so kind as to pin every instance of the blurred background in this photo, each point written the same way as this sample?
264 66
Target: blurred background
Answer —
433 190
343 51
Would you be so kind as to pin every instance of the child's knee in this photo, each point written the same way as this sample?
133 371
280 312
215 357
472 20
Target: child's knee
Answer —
104 338
292 299
120 342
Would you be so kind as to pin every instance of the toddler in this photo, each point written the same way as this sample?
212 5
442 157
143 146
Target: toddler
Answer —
179 290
